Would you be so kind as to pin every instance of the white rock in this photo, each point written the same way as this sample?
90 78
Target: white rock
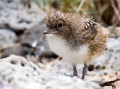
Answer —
18 73
7 38
17 16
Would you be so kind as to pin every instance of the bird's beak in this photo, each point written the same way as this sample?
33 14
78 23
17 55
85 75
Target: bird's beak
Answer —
48 31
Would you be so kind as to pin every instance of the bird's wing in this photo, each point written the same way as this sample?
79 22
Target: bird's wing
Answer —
90 29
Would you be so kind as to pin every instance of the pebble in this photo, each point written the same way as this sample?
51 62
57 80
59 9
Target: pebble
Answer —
7 38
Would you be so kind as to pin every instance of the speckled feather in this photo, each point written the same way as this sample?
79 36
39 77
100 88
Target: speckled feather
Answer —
79 30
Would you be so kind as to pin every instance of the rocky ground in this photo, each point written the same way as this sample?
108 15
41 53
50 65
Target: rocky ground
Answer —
35 66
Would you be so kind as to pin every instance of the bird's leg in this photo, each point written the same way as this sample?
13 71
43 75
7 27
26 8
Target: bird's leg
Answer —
75 70
84 71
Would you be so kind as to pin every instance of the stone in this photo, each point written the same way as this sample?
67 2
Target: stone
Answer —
15 15
7 38
18 50
26 20
115 31
18 73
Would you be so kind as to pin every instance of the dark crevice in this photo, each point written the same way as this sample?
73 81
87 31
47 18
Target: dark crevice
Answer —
109 83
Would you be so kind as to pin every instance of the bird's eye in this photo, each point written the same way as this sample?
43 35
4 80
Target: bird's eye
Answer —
59 24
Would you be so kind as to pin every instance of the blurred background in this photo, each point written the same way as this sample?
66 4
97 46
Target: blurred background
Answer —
22 23
105 11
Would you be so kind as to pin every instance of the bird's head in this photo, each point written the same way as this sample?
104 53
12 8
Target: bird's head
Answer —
56 23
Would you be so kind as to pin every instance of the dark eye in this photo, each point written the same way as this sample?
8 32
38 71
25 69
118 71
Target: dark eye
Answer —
59 24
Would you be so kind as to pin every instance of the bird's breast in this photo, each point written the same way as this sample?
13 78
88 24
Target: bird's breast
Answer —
60 47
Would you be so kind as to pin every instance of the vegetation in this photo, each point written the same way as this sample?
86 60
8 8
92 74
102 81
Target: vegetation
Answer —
106 11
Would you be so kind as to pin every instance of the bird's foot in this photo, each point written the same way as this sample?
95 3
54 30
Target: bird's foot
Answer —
84 71
71 75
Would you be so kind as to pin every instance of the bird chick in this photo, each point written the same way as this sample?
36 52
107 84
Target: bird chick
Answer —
76 38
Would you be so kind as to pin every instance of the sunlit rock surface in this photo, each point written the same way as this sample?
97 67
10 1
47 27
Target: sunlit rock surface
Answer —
18 73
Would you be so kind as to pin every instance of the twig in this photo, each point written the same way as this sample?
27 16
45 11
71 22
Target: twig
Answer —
109 83
80 5
115 9
118 1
